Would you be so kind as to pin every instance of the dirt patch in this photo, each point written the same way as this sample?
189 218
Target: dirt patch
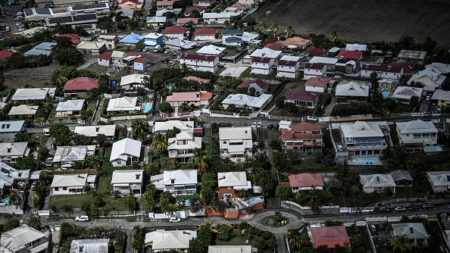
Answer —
363 20
30 77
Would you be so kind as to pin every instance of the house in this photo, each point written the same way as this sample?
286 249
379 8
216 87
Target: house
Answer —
175 32
66 156
297 42
98 8
251 38
123 104
141 63
211 50
263 60
133 5
390 72
352 90
9 129
302 98
131 39
193 99
89 246
69 108
311 70
156 20
173 240
346 66
32 94
79 86
91 47
402 178
230 249
430 78
165 4
412 57
230 183
441 67
439 180
329 62
125 182
117 58
194 11
258 85
23 111
306 182
216 18
315 51
125 152
72 184
330 237
404 94
153 41
205 34
415 233
23 239
203 3
10 151
180 44
177 182
377 183
133 81
162 127
108 131
198 62
416 134
232 37
305 137
356 47
318 84
45 48
184 145
5 54
11 178
109 40
87 20
187 21
288 66
350 55
442 97
247 101
236 143
105 59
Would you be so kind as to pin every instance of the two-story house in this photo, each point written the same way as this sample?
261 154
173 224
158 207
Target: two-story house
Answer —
230 183
377 183
184 145
125 152
125 182
416 134
153 40
311 70
198 62
305 137
72 184
288 66
236 143
9 129
23 239
177 182
391 72
263 60
11 151
193 99
216 18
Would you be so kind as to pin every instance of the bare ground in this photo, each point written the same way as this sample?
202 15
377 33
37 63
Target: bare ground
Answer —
30 77
363 20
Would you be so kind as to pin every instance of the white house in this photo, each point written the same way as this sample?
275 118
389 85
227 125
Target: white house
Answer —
442 97
69 108
71 184
184 145
156 20
89 246
314 70
263 60
67 155
91 47
404 94
123 104
109 39
288 66
318 84
430 78
93 131
236 143
32 94
125 152
230 182
177 182
247 101
161 127
330 62
439 180
105 59
352 90
211 50
10 151
9 129
216 18
356 47
390 72
377 183
174 240
198 62
133 81
23 239
416 134
125 182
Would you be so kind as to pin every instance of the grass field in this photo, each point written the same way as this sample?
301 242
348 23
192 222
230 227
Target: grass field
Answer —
30 77
362 20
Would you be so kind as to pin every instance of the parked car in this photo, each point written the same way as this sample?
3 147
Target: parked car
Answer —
83 218
399 209
259 125
174 219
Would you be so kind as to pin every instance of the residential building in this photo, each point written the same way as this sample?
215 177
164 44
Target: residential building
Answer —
71 184
377 183
74 38
297 42
346 66
430 78
32 94
258 85
232 37
439 180
105 59
162 127
66 156
416 134
180 44
109 40
230 183
123 104
23 111
205 34
130 6
211 50
192 99
351 90
304 137
45 49
79 86
118 59
175 32
330 236
87 20
315 51
173 240
288 66
246 101
10 151
391 72
89 246
311 70
156 20
125 152
9 129
415 233
350 55
216 18
442 97
125 182
23 239
11 178
306 182
230 248
198 62
412 57
404 94
165 4
69 108
177 182
187 21
263 60
131 39
356 47
302 99
236 143
133 81
402 178
108 131
91 47
329 62
441 67
203 3
318 84
184 145
141 63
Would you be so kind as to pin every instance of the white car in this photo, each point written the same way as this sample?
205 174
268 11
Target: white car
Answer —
254 125
259 125
82 218
174 219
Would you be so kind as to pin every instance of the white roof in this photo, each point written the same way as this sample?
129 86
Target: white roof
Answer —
416 126
184 44
361 129
164 126
93 131
23 110
233 133
189 141
118 54
230 249
8 174
266 52
377 180
89 246
157 19
11 126
249 36
123 104
412 54
32 94
76 180
91 45
290 58
235 179
441 95
214 15
352 89
70 105
410 231
211 50
127 177
428 77
153 35
180 177
166 240
439 178
13 148
356 47
247 100
124 148
14 240
441 67
407 92
132 79
72 153
324 60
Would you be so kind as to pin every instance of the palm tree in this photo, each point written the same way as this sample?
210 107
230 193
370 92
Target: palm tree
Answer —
400 245
200 164
289 31
274 28
140 129
335 38
159 143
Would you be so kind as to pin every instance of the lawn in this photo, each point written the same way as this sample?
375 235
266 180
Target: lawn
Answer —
299 86
236 239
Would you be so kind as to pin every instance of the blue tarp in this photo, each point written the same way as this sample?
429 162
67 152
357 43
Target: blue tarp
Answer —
131 39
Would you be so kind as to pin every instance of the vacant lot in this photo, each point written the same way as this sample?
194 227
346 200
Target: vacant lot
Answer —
30 77
363 20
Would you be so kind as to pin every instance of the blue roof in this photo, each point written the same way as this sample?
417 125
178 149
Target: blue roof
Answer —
45 48
133 38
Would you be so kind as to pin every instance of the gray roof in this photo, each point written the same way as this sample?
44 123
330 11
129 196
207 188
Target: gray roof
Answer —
72 153
352 89
11 126
15 240
441 95
377 180
89 246
410 231
233 39
232 32
439 178
69 180
399 175
416 126
70 105
13 149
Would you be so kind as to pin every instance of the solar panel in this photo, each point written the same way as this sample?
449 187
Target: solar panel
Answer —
60 20
28 12
43 11
85 17
89 6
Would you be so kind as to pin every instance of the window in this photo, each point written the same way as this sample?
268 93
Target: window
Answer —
64 188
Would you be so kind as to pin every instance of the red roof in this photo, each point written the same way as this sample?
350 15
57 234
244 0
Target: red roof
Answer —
74 38
330 237
302 131
261 59
105 55
351 55
81 83
306 180
198 57
205 31
318 81
139 60
188 11
314 65
175 30
302 96
5 54
274 46
260 83
407 69
382 68
287 63
315 51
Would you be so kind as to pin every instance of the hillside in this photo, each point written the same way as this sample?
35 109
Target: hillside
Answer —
363 20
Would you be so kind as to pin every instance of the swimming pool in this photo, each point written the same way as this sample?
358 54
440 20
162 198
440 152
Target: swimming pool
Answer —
386 94
147 107
366 161
254 200
432 149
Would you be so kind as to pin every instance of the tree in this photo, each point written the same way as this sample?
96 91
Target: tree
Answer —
224 232
101 140
335 38
279 102
203 240
148 198
61 133
165 107
35 222
399 245
289 31
159 143
167 202
283 191
138 238
251 91
131 202
66 53
140 129
11 223
80 139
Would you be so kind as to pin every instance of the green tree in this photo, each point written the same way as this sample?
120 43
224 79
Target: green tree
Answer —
203 240
283 191
101 140
61 133
140 129
279 102
148 198
11 223
35 222
289 31
399 245
165 107
159 143
167 202
131 202
138 238
224 232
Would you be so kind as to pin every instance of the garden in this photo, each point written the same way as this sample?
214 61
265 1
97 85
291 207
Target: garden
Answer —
276 220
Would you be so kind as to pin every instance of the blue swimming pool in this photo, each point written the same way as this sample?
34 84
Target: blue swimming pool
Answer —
147 107
386 94
366 161
432 149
